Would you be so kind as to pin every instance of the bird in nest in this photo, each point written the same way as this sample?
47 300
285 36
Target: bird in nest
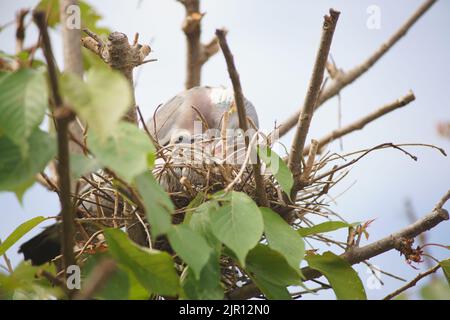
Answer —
196 119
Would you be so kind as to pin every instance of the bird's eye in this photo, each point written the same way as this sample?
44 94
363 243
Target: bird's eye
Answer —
180 138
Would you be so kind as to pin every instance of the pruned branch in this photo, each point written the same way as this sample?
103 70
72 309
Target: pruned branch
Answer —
62 116
359 254
361 123
343 79
239 100
304 120
197 53
119 55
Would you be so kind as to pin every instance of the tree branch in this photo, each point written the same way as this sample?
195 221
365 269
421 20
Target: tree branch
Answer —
73 61
357 255
361 123
304 121
122 56
343 79
119 55
197 53
239 100
412 283
62 116
20 29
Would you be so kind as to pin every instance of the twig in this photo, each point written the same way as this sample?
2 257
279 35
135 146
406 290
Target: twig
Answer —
20 29
361 123
344 79
239 100
54 280
357 255
314 87
412 283
62 117
7 261
310 163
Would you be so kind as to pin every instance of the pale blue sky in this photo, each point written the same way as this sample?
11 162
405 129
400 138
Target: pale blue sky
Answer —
274 44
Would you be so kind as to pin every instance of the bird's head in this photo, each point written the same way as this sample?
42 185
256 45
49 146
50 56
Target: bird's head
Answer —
181 136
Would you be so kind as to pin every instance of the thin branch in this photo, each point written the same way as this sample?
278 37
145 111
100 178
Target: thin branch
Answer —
7 261
412 283
20 29
63 116
314 88
357 255
361 123
343 79
239 101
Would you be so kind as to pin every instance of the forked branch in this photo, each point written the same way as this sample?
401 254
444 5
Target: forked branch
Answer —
304 120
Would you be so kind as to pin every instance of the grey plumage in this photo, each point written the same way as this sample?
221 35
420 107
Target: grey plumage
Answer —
179 113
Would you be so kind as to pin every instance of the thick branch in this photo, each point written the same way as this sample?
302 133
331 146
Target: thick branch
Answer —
73 60
119 55
122 56
304 121
357 255
240 105
361 123
343 79
63 116
197 53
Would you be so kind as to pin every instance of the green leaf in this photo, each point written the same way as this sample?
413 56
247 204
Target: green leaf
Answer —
101 101
19 232
200 222
81 165
283 238
158 205
51 8
89 16
272 291
152 268
190 246
208 286
435 289
128 153
278 168
23 101
269 265
238 224
341 276
23 284
445 265
118 285
323 227
17 170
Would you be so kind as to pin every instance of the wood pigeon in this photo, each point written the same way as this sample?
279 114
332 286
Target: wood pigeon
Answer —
174 121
